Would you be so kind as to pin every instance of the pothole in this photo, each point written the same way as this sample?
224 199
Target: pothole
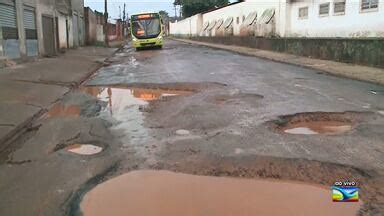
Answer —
316 123
84 149
168 193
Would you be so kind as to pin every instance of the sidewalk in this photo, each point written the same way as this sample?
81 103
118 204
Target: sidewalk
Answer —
28 90
358 72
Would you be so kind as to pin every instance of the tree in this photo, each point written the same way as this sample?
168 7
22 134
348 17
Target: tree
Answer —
163 13
192 7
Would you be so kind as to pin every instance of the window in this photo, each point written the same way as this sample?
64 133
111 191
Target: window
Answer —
339 7
369 5
324 9
303 13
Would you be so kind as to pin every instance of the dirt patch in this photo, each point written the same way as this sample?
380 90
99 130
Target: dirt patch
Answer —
317 123
142 193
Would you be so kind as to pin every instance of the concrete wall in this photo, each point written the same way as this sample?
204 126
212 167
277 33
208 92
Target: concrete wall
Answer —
191 26
353 23
90 26
357 51
100 33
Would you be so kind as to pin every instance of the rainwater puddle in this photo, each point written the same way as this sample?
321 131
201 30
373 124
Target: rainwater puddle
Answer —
125 110
316 123
164 193
84 149
318 127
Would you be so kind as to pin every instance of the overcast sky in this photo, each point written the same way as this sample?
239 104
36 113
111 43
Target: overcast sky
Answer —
132 6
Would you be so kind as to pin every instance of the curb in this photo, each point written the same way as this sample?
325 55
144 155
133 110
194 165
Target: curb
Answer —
12 135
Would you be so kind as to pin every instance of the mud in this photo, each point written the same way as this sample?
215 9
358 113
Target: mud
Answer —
170 194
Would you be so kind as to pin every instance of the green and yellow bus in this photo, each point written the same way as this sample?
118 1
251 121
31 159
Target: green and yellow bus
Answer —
147 30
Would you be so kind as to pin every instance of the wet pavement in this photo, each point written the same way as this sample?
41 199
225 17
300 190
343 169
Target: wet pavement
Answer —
202 112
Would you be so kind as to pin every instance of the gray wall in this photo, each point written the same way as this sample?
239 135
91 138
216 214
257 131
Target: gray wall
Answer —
368 52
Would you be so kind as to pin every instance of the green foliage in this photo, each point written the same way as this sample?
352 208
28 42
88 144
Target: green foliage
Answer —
192 7
164 14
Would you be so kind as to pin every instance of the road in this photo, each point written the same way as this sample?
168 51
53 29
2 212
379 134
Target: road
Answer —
201 111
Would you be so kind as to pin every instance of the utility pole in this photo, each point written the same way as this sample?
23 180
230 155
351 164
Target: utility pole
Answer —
106 23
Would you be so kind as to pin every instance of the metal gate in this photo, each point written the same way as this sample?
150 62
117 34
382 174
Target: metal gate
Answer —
75 30
9 31
30 31
48 34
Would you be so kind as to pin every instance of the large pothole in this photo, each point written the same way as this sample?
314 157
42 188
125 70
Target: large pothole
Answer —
168 193
316 123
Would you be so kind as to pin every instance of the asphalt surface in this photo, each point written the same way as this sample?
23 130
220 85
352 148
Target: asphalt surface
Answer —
228 110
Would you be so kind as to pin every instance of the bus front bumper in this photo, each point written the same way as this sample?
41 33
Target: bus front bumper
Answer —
153 42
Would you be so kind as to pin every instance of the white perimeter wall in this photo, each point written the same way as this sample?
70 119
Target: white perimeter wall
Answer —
190 26
245 8
193 25
354 23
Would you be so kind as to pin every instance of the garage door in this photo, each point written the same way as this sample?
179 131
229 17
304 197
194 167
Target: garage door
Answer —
30 31
48 34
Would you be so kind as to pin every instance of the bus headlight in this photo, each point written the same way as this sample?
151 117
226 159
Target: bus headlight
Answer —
160 37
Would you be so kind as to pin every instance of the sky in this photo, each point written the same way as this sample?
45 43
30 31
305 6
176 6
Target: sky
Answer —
132 6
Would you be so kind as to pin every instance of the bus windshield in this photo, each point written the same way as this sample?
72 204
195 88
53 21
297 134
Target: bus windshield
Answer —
146 26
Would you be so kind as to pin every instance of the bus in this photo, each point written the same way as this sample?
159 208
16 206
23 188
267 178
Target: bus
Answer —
147 30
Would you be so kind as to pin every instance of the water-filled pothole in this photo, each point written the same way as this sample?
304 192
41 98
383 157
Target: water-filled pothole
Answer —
316 123
163 193
84 149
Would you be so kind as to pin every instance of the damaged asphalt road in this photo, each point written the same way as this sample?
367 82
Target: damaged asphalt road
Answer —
199 111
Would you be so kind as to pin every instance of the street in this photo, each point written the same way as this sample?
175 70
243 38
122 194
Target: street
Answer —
196 110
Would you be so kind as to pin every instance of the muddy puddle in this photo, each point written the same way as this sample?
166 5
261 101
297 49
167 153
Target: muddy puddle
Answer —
84 149
60 110
164 193
318 127
317 123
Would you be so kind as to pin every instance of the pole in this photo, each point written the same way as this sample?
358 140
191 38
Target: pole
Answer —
106 23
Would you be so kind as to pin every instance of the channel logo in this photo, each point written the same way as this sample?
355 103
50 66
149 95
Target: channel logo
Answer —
345 194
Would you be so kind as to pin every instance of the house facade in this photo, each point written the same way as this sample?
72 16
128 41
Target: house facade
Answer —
30 28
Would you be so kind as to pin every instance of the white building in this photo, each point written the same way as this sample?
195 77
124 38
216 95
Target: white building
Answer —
290 18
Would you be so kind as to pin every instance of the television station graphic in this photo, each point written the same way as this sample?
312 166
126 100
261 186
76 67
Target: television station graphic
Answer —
345 192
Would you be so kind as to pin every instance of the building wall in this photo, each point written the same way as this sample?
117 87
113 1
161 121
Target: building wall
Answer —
62 31
90 26
354 23
60 9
